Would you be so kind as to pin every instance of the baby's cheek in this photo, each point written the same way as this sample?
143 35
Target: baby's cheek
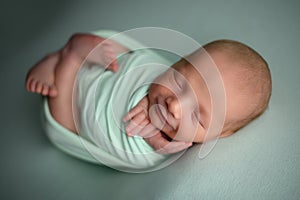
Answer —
153 91
187 131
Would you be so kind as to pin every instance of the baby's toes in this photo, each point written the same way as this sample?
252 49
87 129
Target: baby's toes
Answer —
32 85
113 66
45 90
107 44
52 92
28 84
109 57
38 87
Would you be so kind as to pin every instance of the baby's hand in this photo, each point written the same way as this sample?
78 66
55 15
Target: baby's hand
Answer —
140 125
164 146
139 122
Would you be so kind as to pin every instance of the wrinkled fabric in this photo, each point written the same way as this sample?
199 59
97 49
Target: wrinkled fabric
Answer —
102 99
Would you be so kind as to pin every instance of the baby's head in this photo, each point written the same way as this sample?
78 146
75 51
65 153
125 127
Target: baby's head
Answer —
180 102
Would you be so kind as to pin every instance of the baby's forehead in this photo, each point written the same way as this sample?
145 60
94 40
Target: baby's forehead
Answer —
202 75
206 67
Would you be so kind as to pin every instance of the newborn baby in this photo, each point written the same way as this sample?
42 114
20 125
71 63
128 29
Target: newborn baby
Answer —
169 116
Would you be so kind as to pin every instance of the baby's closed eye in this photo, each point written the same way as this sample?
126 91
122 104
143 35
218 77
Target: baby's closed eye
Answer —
197 117
178 79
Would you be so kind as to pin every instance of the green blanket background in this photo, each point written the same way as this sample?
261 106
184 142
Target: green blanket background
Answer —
261 161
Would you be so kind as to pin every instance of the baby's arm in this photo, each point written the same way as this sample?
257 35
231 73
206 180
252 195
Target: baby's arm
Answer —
140 125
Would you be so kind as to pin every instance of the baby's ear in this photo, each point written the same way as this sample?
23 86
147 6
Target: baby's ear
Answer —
226 133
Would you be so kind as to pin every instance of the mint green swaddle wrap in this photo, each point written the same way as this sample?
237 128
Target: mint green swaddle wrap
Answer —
103 98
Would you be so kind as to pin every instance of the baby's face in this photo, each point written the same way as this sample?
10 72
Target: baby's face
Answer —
179 103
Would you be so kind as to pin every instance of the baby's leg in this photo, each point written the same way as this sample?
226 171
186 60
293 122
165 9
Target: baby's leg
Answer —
72 57
55 75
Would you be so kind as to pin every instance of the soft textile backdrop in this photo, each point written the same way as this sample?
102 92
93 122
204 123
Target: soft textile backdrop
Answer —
262 161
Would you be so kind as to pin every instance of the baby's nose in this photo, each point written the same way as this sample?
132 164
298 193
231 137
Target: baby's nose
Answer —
174 107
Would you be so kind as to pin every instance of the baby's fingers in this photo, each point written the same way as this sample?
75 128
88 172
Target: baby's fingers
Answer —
174 147
136 121
148 131
141 106
137 128
132 113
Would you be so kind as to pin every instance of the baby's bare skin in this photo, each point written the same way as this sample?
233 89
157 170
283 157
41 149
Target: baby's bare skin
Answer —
55 74
140 124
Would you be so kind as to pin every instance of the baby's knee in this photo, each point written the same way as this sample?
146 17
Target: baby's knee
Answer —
84 39
81 44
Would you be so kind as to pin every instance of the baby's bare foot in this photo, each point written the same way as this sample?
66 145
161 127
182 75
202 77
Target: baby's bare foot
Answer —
40 79
104 54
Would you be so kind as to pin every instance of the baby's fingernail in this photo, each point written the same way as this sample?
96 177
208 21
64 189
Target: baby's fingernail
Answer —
125 119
